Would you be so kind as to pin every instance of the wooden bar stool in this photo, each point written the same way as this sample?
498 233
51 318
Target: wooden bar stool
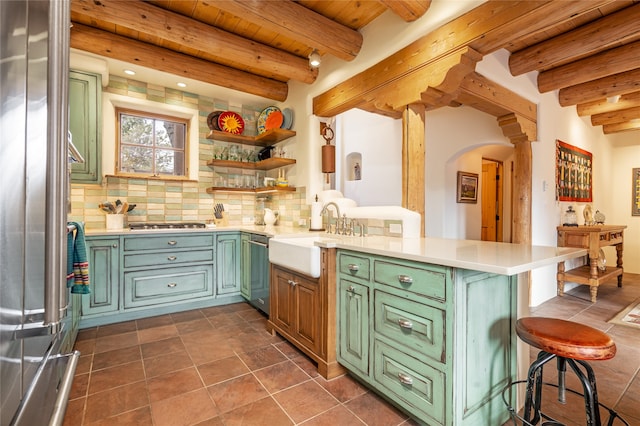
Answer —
572 344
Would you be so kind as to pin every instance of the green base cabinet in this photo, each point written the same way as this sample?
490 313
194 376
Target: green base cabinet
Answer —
104 276
228 274
438 342
85 118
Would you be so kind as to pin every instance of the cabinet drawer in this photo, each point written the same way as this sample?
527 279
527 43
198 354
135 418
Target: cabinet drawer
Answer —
354 266
167 258
413 325
426 280
152 287
413 384
167 242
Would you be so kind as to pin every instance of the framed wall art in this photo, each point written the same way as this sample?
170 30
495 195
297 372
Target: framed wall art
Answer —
635 196
467 187
574 172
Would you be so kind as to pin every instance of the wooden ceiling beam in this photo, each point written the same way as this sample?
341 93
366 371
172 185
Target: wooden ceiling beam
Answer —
157 22
408 10
607 32
617 84
608 129
614 61
299 23
110 45
616 117
629 100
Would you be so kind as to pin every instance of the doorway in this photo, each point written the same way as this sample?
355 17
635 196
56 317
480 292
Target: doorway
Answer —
492 200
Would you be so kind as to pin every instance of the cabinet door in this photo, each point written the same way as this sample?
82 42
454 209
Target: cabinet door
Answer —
85 125
353 325
104 267
245 262
228 263
307 310
281 304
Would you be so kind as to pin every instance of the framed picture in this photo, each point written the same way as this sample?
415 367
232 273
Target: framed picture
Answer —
573 173
635 196
467 187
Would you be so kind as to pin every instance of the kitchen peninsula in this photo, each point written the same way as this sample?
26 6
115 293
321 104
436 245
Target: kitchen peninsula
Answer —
426 322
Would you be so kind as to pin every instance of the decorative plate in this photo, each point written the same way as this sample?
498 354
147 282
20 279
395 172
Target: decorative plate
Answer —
212 120
287 123
231 122
274 120
262 118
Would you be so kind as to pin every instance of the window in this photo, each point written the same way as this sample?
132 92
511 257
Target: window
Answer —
151 145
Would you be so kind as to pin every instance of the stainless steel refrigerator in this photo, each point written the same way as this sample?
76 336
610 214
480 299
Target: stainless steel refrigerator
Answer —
34 48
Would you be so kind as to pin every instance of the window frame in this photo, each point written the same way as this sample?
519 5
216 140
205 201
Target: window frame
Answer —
153 116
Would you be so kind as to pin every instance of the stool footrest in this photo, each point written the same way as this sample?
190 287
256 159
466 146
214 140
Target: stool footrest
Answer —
549 421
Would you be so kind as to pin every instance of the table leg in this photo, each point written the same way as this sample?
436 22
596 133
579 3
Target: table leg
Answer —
619 262
560 278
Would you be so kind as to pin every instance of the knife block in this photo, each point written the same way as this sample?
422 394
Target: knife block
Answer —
224 221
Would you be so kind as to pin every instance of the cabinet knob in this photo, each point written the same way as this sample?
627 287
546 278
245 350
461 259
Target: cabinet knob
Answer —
171 258
353 267
115 246
405 379
172 285
292 283
405 323
172 242
351 289
405 279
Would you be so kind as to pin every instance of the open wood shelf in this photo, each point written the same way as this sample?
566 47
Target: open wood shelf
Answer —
268 164
268 138
582 274
261 190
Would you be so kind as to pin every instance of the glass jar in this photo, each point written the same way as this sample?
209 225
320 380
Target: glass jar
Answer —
570 217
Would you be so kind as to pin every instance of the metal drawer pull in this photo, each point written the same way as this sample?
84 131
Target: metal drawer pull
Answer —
172 258
405 379
353 267
115 246
351 289
172 285
292 283
405 323
172 242
405 279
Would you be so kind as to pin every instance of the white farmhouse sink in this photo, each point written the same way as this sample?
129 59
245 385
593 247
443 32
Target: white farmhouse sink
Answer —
297 254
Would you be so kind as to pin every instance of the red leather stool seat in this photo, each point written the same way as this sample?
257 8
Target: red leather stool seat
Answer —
566 338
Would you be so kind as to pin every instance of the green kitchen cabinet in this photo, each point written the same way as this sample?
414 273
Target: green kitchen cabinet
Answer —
228 275
104 275
437 341
85 125
245 264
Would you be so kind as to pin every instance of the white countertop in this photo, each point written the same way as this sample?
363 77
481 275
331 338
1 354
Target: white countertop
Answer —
485 256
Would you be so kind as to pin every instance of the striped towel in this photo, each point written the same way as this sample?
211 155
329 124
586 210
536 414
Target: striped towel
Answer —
77 261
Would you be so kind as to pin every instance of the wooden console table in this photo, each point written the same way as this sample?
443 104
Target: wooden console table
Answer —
592 238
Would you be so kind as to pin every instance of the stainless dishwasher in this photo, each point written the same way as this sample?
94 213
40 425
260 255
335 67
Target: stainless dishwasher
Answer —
258 270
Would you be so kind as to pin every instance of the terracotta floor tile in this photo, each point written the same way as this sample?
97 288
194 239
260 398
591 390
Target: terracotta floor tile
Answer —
193 326
207 351
86 347
338 415
118 328
193 315
264 412
79 386
306 400
113 402
74 414
84 364
281 376
216 421
374 411
343 388
262 357
117 341
237 392
221 370
112 377
173 384
138 417
185 409
223 320
157 321
87 334
153 334
163 364
116 357
162 347
250 314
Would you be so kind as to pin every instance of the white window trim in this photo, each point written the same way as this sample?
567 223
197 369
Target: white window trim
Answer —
111 101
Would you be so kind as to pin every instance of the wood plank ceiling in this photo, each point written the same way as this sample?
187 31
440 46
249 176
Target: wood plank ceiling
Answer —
258 46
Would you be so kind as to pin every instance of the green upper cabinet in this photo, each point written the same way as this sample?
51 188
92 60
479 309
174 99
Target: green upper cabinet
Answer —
85 119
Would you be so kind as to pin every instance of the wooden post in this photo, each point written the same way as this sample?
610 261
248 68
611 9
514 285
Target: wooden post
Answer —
413 154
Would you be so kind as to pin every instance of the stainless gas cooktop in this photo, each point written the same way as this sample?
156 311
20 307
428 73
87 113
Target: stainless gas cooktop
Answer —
178 225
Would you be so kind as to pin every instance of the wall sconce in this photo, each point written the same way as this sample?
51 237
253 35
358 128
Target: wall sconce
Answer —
613 99
328 152
314 59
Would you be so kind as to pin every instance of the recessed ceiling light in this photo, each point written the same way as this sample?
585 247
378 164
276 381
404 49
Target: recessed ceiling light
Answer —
314 59
129 72
182 84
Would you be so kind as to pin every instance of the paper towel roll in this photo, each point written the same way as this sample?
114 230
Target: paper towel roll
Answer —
316 219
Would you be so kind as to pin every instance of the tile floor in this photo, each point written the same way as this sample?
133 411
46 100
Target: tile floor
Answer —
218 366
